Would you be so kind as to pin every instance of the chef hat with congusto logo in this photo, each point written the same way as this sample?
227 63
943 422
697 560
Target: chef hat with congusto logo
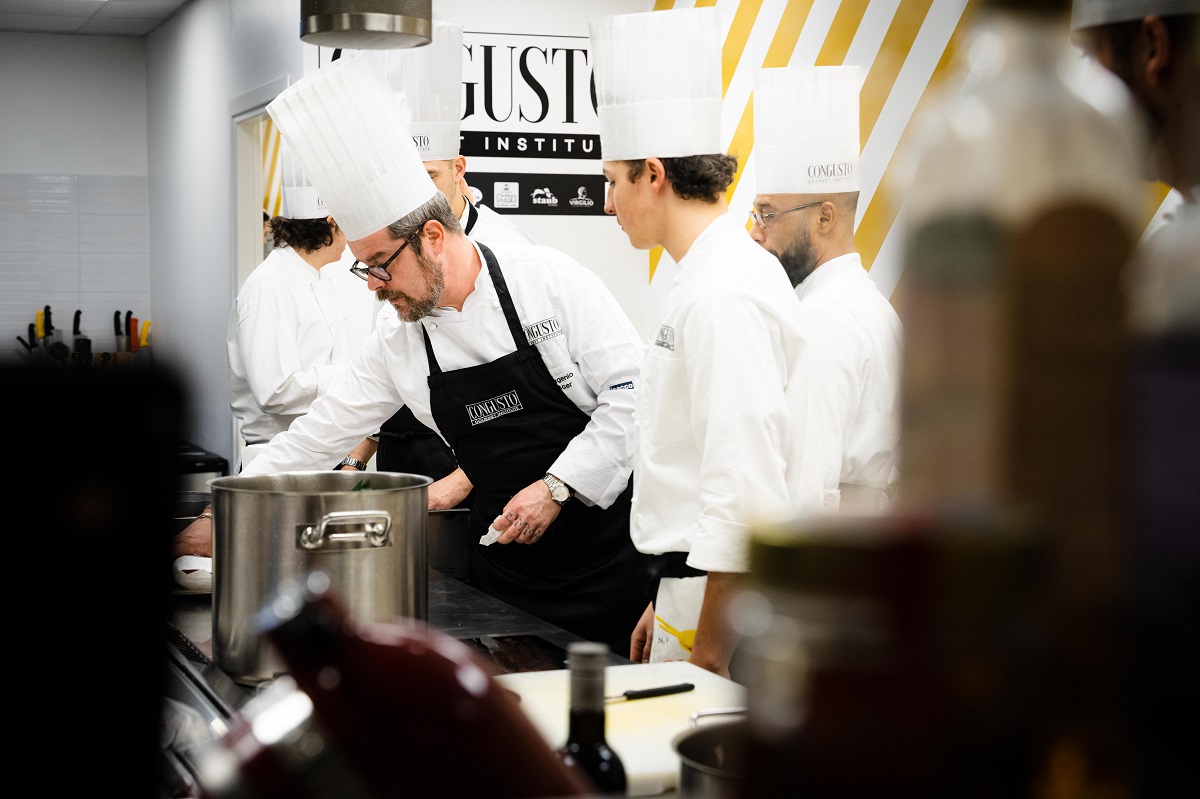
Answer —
658 83
1086 13
806 138
344 127
428 85
300 199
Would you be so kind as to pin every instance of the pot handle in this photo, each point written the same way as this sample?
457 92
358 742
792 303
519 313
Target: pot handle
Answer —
372 528
694 719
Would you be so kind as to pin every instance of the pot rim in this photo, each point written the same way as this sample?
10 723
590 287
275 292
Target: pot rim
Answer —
238 483
706 768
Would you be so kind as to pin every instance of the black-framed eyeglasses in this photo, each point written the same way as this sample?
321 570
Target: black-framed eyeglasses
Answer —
761 219
380 272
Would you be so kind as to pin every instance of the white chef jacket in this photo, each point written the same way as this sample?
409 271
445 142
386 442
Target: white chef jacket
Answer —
288 336
713 422
492 228
586 340
848 414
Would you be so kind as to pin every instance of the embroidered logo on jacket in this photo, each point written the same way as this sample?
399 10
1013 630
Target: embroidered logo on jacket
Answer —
545 329
628 384
665 338
494 408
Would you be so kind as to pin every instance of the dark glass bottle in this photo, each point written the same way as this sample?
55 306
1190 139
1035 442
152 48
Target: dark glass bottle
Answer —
586 748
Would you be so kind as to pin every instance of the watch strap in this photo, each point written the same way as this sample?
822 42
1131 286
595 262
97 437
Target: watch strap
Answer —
557 485
355 462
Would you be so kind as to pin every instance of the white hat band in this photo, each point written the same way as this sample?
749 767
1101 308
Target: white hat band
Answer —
436 141
1086 13
663 129
807 168
302 202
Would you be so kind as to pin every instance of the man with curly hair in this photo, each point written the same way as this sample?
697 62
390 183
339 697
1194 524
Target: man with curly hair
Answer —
290 330
714 428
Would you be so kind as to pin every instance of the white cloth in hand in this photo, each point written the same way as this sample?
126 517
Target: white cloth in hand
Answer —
193 572
490 537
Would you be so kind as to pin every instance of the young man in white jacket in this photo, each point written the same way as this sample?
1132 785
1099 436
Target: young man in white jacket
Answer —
714 428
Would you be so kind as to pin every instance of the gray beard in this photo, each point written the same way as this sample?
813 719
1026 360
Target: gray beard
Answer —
418 308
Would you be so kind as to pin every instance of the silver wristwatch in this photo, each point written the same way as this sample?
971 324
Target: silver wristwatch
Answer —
560 492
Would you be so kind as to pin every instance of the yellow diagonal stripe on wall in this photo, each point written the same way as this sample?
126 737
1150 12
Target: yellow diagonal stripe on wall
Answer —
735 40
272 185
735 45
841 33
881 215
897 44
787 33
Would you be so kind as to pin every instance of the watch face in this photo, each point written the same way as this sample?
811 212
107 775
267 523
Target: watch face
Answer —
560 493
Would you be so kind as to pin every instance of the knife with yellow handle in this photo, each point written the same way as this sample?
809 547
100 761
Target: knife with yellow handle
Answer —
40 325
144 339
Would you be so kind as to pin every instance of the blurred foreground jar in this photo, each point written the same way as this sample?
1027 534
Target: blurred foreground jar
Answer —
897 656
375 709
1025 208
1023 212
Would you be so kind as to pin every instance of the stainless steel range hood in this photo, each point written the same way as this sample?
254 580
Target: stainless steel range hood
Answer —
366 24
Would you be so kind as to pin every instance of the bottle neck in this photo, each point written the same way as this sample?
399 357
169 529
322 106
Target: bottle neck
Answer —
1014 39
585 727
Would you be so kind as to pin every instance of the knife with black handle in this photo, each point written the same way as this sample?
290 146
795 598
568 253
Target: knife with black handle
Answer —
122 344
646 693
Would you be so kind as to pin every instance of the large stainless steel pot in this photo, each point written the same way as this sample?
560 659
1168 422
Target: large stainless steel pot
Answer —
271 528
711 757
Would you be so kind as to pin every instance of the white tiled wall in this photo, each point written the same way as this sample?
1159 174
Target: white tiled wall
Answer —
73 242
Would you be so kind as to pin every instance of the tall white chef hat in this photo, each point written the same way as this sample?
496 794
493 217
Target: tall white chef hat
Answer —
300 199
658 83
344 127
428 81
806 138
1086 13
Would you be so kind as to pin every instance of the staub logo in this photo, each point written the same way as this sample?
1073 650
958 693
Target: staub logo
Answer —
665 338
823 173
494 408
545 329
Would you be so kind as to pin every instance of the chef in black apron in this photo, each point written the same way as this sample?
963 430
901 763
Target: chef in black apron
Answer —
405 444
582 572
455 351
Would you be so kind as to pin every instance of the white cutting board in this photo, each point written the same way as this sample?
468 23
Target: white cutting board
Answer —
641 731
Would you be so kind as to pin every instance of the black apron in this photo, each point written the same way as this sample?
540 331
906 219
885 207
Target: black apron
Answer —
407 445
507 421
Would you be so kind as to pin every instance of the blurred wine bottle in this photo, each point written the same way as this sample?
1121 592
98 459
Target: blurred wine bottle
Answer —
374 709
1022 217
586 747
